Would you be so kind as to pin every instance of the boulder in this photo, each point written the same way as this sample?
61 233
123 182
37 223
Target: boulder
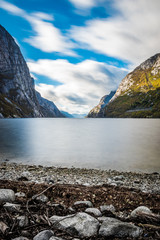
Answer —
81 224
44 235
112 227
6 195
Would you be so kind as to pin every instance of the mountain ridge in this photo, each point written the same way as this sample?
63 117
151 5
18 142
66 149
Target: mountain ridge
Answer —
18 97
138 94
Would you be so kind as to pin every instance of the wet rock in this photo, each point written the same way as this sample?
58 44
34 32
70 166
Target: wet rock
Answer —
6 195
22 221
94 211
85 203
12 207
81 224
3 227
112 227
44 235
140 210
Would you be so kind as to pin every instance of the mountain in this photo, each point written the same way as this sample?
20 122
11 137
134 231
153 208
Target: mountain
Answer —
66 114
18 97
48 108
138 95
98 111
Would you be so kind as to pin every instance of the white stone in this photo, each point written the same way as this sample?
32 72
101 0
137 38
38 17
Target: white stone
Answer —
110 208
23 221
44 235
94 211
12 207
81 223
7 195
3 227
20 194
140 210
86 203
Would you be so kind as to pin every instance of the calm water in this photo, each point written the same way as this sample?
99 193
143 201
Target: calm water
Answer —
122 144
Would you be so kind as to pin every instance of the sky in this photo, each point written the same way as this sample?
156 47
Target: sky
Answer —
80 50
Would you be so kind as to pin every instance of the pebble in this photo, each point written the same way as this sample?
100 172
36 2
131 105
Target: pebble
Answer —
6 195
3 227
12 207
140 210
143 181
20 194
44 235
42 198
23 221
105 208
85 203
94 211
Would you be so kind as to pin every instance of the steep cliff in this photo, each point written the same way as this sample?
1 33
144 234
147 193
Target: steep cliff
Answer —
138 94
18 97
98 111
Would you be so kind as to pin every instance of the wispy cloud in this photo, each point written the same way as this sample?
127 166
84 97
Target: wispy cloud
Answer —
81 85
132 34
83 4
46 36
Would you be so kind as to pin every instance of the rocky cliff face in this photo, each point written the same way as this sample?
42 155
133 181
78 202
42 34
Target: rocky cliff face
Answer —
18 97
138 95
98 111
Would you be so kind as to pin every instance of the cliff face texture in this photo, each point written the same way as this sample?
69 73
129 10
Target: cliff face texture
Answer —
98 111
138 95
18 97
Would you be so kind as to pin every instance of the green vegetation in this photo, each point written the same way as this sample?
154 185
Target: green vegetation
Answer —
141 100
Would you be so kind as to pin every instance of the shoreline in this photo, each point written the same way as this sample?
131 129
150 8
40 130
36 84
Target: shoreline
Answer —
145 182
46 197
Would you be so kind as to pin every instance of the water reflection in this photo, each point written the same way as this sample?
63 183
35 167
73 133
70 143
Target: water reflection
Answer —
123 144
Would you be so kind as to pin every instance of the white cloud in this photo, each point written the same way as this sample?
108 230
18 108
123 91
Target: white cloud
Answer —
132 34
46 36
83 3
11 8
82 84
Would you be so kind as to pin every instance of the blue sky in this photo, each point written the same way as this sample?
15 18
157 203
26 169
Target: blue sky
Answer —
79 50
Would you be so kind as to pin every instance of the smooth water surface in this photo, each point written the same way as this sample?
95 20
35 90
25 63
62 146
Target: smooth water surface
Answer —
122 144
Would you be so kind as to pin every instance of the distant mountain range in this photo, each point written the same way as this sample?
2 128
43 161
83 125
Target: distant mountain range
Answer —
18 97
138 95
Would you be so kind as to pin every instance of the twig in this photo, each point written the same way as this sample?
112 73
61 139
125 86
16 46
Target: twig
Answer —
149 226
37 195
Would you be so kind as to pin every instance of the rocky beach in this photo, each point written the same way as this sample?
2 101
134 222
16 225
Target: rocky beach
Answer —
47 203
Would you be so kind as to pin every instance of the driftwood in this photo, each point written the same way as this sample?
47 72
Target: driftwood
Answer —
149 218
